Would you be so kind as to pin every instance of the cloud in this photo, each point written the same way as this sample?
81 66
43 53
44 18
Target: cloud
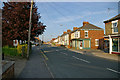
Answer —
67 19
84 14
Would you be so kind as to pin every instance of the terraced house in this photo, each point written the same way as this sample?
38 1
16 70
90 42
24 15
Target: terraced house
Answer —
65 38
86 37
112 35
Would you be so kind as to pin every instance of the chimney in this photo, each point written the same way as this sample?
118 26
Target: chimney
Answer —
64 32
84 23
74 28
68 30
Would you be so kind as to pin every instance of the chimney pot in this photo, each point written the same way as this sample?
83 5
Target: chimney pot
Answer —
84 23
64 32
68 30
74 28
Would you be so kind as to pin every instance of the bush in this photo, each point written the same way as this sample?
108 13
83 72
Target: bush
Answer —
53 43
9 51
15 51
19 48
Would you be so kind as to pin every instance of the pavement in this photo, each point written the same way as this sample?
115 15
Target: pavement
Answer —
98 53
35 66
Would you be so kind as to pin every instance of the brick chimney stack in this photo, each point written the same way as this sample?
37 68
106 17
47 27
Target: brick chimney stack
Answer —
74 28
68 30
84 23
64 32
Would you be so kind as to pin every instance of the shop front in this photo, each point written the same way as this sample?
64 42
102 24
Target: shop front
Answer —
81 43
116 45
112 44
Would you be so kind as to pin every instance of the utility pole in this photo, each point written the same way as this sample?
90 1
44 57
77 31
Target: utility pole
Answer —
28 49
42 37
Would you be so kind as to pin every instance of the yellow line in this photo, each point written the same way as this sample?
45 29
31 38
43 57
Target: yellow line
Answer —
46 58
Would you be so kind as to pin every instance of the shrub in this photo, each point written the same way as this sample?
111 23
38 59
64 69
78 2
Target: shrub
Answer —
9 51
15 51
19 48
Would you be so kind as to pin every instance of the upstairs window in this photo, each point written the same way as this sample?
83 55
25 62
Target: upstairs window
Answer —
86 34
115 26
96 42
77 34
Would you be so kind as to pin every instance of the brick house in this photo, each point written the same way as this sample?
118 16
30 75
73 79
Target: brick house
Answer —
112 35
87 36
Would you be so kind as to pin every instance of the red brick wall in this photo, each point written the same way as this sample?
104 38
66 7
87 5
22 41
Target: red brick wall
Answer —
82 34
93 34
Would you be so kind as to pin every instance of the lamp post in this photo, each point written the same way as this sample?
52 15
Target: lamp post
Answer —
28 49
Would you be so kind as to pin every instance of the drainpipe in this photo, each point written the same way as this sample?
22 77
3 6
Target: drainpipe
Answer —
110 44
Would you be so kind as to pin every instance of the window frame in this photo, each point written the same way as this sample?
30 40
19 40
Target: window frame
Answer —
97 41
116 21
87 34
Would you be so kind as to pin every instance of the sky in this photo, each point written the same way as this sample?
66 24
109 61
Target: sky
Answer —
60 16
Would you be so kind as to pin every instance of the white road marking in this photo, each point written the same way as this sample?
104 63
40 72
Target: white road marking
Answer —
113 70
81 59
84 60
56 50
64 53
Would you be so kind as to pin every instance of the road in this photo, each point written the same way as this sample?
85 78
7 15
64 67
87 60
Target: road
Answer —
64 63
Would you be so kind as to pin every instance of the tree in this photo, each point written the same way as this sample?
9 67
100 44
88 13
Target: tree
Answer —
15 21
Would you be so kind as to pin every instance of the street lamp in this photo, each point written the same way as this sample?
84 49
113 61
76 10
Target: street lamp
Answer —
29 29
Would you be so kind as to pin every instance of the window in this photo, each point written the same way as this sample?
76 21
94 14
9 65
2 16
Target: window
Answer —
96 42
115 44
86 34
114 26
76 34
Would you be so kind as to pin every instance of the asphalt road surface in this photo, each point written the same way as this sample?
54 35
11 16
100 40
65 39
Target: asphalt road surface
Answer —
64 63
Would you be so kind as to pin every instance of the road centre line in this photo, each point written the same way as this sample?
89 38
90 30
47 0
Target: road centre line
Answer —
113 70
81 59
64 53
56 50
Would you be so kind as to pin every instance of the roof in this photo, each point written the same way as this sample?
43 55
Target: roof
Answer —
86 27
112 19
90 26
65 34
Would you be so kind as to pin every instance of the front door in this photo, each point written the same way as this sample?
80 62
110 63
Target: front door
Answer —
80 44
86 44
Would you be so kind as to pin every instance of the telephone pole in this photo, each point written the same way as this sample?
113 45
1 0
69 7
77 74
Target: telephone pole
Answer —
28 49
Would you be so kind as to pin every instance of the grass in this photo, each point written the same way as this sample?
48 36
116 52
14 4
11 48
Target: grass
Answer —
10 51
13 51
